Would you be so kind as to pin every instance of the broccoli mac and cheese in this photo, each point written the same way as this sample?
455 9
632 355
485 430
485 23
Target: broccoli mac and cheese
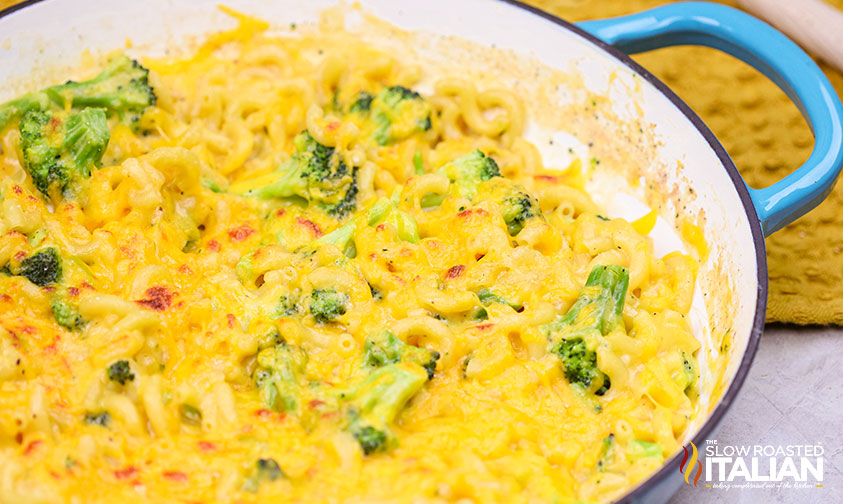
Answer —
279 270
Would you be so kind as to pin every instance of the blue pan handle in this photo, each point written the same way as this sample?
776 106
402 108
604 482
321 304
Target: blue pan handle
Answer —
770 52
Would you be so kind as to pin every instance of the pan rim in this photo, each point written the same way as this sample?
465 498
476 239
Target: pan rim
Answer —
640 492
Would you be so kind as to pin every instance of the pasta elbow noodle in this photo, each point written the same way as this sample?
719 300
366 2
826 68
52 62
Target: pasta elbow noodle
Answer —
150 391
469 107
446 302
557 195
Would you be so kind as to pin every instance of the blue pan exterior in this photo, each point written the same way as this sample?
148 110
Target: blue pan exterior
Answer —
767 209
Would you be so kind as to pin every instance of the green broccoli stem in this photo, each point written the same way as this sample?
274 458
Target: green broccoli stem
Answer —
15 109
286 182
342 237
122 88
637 449
600 304
386 210
489 297
596 313
374 404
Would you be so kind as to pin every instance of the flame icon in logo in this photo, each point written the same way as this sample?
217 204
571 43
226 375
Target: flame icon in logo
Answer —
689 468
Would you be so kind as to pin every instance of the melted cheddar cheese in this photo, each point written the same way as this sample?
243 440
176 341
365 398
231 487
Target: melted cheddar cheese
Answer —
295 279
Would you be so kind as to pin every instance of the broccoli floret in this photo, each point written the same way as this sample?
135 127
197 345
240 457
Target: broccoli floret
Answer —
60 149
371 439
469 171
489 297
122 88
580 364
120 372
266 469
330 182
385 348
327 304
15 109
277 376
315 173
516 208
374 404
362 104
65 313
398 113
102 419
287 307
596 313
386 210
348 202
42 268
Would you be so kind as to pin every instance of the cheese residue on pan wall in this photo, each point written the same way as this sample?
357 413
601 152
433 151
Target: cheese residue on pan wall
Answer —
273 270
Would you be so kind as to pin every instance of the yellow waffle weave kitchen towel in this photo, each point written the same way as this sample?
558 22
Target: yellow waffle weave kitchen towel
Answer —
767 138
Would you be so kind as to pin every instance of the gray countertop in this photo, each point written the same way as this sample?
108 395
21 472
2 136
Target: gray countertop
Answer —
793 395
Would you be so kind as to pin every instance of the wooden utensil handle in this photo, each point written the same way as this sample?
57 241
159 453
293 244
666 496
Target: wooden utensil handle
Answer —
815 25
